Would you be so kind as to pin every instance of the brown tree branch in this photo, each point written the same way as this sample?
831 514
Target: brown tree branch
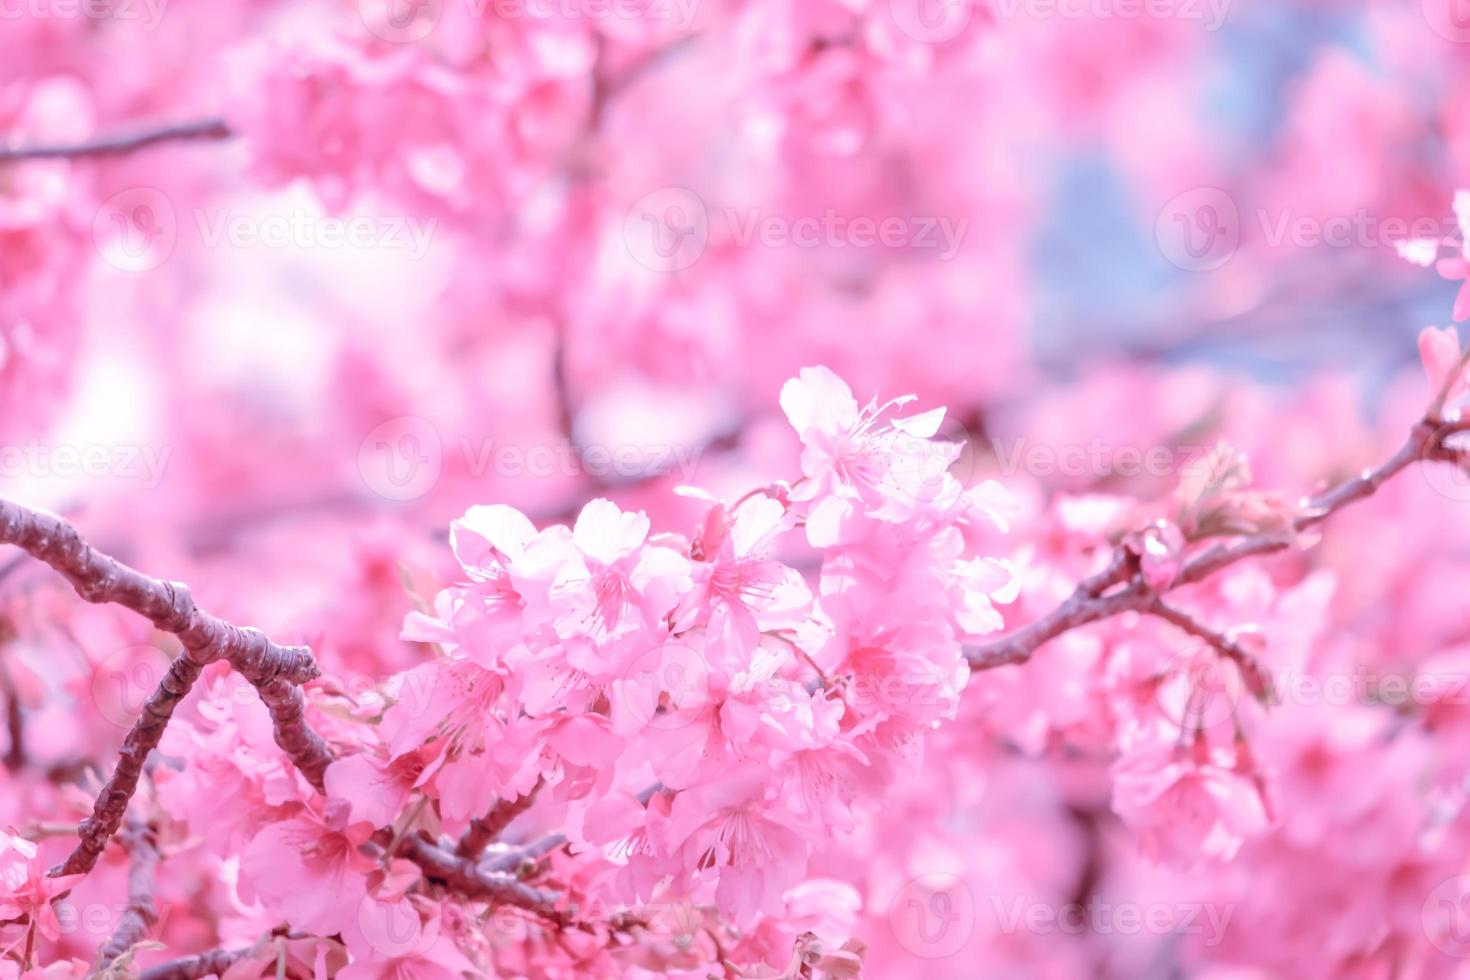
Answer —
512 859
213 963
141 912
95 831
203 129
465 878
275 671
485 829
1121 587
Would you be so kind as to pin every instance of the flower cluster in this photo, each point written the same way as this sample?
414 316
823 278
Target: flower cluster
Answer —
694 713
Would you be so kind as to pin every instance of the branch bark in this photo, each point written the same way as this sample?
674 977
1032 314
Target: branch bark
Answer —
214 962
463 877
275 671
141 912
485 829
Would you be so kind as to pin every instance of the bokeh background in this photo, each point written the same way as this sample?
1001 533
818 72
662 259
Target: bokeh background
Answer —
412 257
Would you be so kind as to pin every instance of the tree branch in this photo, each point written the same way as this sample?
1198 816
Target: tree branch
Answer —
141 912
465 878
275 671
516 856
485 829
94 832
213 963
1121 587
203 129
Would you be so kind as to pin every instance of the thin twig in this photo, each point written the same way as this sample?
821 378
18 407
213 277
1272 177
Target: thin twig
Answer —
203 129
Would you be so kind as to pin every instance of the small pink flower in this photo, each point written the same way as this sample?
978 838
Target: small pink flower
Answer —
739 589
604 578
859 464
25 889
309 870
1439 351
725 828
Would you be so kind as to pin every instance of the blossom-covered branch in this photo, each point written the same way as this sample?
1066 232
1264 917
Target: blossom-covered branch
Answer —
1123 586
